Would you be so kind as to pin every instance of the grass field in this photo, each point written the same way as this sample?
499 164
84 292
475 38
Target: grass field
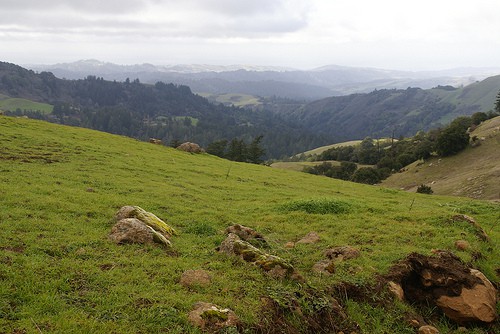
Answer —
12 104
59 272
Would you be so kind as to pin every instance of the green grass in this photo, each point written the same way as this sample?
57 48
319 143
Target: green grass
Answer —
236 99
12 104
59 273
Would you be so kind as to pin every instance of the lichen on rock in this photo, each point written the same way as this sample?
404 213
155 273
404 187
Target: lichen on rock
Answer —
275 265
147 218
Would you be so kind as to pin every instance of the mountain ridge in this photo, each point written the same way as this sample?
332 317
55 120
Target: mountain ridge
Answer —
327 80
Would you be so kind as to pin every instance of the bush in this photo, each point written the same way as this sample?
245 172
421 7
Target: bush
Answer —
366 175
318 206
423 189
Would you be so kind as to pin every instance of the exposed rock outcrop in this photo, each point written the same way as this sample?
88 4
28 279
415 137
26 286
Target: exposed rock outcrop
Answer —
463 294
246 233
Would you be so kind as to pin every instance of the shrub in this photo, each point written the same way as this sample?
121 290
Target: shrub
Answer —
424 189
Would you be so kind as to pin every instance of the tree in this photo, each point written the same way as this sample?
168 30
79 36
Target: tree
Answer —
497 104
455 137
218 148
366 175
255 151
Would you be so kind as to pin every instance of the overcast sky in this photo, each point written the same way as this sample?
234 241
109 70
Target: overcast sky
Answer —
393 34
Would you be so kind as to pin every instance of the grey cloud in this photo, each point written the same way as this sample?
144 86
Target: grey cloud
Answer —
88 6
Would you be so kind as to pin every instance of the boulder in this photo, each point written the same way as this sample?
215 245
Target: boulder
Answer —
245 233
211 317
147 218
342 253
275 266
464 295
326 267
190 147
477 303
462 245
396 290
191 278
130 231
428 330
310 238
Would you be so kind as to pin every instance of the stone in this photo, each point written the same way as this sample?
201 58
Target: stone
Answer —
462 245
310 238
147 218
463 294
342 253
326 267
477 303
208 316
428 330
290 244
245 233
190 147
396 290
130 231
275 266
192 278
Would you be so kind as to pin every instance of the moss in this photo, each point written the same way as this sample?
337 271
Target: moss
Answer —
152 221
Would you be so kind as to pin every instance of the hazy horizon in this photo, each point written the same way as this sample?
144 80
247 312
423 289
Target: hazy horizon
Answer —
299 34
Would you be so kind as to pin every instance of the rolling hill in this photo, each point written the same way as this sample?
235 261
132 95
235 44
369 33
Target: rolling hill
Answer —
387 113
473 173
60 273
268 81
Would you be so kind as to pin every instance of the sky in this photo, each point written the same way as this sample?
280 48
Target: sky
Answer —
304 34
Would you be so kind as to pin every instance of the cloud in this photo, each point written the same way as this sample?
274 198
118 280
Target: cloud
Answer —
155 18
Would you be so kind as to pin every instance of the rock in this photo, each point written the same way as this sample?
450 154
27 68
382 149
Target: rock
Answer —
342 253
428 330
310 238
275 266
147 218
479 230
463 294
245 233
290 244
396 290
190 147
192 278
211 317
461 245
477 303
326 267
155 141
130 231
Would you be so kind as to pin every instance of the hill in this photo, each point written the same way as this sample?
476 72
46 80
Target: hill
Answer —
61 187
473 173
389 113
271 81
163 110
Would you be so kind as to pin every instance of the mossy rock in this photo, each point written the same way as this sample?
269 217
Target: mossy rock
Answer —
147 218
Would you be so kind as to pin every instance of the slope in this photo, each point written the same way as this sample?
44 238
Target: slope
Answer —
61 274
386 113
473 173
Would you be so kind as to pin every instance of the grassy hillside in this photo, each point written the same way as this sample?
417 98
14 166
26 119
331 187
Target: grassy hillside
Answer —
12 104
474 172
233 99
60 273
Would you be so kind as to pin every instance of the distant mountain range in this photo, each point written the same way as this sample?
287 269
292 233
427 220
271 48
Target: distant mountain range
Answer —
266 81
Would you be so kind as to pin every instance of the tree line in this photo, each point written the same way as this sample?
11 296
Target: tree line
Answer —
389 156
